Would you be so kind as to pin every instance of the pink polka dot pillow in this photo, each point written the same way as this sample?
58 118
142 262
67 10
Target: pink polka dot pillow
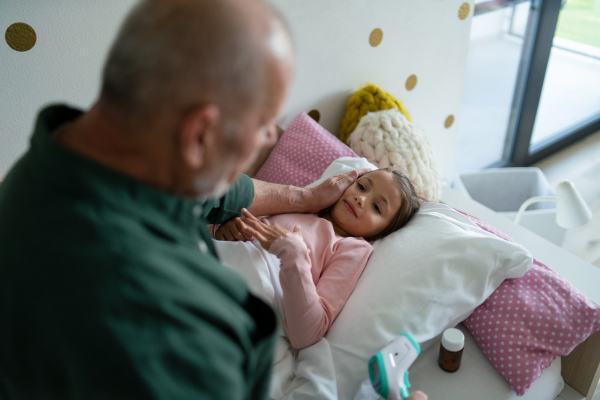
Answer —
530 321
303 152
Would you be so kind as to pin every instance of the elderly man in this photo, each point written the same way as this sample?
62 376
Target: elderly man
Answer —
109 285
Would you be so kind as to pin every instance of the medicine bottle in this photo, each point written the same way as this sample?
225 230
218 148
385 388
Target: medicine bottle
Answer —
451 349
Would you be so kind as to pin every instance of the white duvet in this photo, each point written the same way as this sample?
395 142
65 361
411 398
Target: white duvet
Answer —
297 374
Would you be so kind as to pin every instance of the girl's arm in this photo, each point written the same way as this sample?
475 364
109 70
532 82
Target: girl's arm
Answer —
310 310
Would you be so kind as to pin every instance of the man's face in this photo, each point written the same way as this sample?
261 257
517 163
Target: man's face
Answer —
234 156
242 139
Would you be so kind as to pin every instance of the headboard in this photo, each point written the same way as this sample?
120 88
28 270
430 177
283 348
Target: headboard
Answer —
415 50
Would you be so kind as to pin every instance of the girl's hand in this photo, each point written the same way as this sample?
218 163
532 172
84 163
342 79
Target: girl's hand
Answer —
232 230
265 234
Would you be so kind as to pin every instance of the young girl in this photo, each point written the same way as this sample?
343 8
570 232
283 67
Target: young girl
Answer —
322 256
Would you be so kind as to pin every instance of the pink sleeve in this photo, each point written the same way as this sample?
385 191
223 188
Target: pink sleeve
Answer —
213 229
310 310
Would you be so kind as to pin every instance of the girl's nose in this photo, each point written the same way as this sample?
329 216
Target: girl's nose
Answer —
360 200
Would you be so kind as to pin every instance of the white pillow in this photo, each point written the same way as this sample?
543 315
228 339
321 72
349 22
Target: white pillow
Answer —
422 279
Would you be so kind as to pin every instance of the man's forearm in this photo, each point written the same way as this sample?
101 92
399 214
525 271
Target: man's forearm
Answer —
272 198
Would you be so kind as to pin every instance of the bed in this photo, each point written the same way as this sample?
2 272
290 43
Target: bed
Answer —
342 354
417 51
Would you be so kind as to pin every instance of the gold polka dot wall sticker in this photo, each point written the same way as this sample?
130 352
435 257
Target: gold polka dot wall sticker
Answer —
20 36
315 114
463 11
449 121
411 82
375 37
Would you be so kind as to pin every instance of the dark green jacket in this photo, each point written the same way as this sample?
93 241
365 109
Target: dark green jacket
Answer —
110 289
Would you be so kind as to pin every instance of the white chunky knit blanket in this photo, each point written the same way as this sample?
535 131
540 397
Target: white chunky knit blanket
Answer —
387 139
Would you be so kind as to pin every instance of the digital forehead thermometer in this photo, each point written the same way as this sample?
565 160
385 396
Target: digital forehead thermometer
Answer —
388 369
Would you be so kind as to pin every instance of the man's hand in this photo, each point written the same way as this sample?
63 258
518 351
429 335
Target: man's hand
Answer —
328 192
273 199
233 230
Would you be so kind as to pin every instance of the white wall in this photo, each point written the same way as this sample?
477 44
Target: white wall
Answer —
334 58
73 38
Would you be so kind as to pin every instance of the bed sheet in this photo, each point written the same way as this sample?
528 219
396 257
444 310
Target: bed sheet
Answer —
310 373
297 374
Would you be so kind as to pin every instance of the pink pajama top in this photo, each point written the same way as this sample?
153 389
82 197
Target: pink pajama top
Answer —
318 273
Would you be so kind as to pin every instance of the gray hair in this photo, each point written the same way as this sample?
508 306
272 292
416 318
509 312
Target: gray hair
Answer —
176 54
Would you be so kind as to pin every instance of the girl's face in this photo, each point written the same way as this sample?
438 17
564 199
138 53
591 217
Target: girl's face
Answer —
368 205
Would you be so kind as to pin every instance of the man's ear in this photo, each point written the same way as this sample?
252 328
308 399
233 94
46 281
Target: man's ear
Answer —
200 129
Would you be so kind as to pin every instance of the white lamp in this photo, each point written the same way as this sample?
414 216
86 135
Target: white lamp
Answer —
571 210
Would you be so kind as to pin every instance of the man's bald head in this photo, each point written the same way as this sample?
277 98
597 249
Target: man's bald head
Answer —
172 55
